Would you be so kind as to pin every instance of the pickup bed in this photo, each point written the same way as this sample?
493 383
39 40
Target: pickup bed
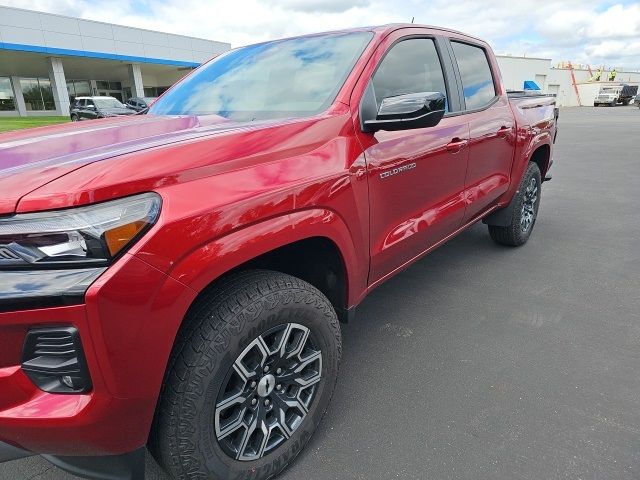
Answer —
175 280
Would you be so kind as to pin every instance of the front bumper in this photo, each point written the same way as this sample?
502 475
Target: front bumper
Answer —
21 290
127 322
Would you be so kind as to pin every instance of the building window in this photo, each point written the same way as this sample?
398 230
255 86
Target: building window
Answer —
37 94
102 85
154 91
7 98
78 88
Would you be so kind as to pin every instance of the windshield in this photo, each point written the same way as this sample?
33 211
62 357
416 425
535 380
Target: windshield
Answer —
287 78
107 102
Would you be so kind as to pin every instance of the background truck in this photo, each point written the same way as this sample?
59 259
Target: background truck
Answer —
613 94
176 279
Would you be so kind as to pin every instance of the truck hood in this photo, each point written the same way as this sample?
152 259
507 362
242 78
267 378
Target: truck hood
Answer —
32 158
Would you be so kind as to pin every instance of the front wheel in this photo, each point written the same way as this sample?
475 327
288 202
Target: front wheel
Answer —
250 381
525 211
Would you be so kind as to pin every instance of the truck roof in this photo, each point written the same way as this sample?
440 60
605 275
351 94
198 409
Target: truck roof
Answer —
395 26
382 30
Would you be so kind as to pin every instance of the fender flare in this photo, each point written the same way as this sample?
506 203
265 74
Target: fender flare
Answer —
212 260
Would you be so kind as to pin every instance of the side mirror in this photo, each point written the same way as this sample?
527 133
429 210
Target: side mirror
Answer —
404 112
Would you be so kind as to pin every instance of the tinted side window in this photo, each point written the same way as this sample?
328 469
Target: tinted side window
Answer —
90 103
411 66
477 81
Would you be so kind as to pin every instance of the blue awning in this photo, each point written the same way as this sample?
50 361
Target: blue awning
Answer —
531 85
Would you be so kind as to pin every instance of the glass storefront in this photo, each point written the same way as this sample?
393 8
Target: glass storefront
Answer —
109 89
37 94
154 91
7 97
102 85
78 88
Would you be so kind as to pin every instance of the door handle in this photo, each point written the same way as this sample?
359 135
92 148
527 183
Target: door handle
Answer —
456 144
503 131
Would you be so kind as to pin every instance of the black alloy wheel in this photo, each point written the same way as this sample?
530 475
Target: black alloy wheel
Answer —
267 392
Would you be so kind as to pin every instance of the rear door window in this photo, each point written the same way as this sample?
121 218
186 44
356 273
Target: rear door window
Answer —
477 81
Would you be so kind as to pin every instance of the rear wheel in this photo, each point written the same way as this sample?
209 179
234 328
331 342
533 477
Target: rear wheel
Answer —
74 118
525 211
250 381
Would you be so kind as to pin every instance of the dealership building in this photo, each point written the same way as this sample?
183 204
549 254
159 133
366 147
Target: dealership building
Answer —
47 60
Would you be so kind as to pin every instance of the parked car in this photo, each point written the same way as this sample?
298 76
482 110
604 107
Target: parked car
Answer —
178 282
636 100
140 103
613 94
87 108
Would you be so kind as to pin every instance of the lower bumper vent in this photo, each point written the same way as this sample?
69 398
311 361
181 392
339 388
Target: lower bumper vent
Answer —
54 360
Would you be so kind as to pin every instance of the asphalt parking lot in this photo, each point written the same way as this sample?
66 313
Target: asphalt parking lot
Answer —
486 362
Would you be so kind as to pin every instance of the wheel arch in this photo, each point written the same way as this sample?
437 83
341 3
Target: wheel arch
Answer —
314 245
279 244
541 156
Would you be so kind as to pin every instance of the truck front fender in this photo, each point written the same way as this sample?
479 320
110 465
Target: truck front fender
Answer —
209 262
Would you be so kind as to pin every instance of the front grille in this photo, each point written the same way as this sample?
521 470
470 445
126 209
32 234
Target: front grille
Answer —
9 258
6 254
53 359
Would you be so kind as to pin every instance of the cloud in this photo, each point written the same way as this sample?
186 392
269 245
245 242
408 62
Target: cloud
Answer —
323 6
585 31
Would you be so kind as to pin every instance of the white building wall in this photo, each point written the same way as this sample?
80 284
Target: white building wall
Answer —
49 31
515 70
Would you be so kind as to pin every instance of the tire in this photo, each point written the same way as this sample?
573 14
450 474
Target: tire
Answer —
525 211
74 118
189 437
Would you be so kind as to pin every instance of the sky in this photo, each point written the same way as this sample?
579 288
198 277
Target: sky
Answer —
595 32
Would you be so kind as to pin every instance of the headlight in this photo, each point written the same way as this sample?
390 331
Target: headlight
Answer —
91 235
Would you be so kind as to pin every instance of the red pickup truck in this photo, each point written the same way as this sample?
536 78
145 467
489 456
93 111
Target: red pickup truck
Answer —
176 279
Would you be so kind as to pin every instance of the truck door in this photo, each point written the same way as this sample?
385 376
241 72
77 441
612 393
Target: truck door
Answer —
416 177
491 128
